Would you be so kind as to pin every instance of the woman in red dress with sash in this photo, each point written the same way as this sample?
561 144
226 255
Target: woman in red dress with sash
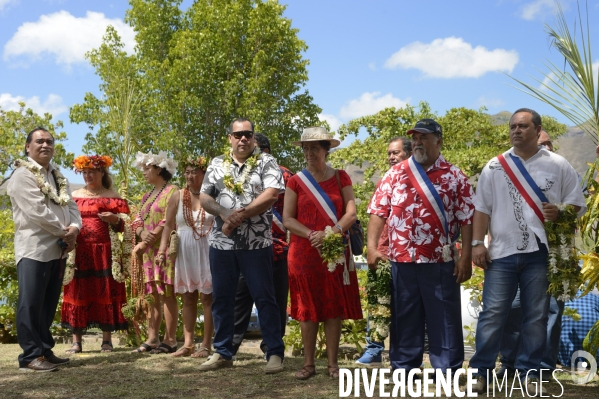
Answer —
93 298
318 295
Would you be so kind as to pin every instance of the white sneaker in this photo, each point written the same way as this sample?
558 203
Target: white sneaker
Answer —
274 365
215 362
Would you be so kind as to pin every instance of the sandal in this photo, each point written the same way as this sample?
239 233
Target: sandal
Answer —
305 372
163 349
184 351
106 347
202 352
75 348
143 348
333 371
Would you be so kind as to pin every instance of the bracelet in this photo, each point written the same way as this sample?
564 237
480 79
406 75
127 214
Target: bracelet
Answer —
339 227
310 233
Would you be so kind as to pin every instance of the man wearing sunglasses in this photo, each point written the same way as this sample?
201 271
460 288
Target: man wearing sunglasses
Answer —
239 189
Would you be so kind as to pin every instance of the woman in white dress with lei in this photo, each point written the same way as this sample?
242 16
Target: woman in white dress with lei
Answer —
192 265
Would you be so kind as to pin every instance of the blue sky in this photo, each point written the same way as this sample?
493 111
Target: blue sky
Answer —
364 55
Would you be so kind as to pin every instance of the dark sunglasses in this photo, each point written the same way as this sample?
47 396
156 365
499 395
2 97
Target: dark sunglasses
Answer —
248 134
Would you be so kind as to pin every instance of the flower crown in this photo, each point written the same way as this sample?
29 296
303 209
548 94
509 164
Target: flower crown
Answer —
91 162
161 160
198 162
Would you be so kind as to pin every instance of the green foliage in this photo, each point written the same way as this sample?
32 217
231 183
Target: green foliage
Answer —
14 126
571 90
591 341
8 278
572 313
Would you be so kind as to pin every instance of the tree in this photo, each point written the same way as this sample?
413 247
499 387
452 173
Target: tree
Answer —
470 139
572 91
201 68
14 126
118 114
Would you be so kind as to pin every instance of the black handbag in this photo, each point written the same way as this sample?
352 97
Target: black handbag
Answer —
356 231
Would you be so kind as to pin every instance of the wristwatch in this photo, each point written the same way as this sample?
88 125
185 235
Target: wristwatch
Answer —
477 242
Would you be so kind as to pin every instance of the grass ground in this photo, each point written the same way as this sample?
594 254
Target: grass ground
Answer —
122 375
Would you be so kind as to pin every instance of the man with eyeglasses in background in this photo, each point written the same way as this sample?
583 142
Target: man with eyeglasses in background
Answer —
239 189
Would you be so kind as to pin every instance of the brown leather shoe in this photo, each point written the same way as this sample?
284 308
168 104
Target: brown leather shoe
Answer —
40 365
57 360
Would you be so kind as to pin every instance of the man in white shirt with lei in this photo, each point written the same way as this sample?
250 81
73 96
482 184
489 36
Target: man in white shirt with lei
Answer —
516 192
47 223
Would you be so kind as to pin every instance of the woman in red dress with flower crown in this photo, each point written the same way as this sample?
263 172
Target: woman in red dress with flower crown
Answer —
93 298
317 294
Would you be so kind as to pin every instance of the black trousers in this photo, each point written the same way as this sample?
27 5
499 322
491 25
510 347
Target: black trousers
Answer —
244 302
40 284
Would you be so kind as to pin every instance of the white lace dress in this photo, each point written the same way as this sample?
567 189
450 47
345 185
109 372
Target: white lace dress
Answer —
192 266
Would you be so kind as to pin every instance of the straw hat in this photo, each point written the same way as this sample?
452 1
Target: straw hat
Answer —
317 133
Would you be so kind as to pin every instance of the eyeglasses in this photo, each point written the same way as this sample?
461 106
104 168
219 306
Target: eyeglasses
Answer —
248 134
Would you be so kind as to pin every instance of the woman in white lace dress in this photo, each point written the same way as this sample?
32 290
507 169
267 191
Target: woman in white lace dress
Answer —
192 266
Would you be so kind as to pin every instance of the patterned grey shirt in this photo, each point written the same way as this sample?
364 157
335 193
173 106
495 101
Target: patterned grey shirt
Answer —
255 232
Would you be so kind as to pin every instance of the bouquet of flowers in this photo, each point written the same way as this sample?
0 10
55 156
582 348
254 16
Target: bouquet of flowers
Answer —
333 249
562 271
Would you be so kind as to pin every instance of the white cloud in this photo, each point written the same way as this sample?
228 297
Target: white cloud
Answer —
53 104
370 103
332 120
372 66
4 3
538 9
452 57
65 37
489 102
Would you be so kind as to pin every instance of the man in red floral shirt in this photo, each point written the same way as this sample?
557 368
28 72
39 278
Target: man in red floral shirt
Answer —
243 299
425 201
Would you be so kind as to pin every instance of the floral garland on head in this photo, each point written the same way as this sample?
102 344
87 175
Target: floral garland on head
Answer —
562 269
378 290
91 162
197 162
161 160
120 245
61 197
250 163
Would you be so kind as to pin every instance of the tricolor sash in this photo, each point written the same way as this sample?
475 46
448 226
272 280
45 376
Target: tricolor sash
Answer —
320 199
524 183
325 207
277 221
431 200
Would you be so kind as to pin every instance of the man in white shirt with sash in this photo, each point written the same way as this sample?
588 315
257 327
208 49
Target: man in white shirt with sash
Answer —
47 222
516 192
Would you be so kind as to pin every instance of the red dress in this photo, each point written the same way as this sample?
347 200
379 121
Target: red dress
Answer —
93 299
316 293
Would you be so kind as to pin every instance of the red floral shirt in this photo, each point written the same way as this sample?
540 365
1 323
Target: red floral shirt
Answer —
279 240
414 234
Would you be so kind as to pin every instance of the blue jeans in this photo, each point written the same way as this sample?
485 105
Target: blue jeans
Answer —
374 348
510 340
502 278
256 267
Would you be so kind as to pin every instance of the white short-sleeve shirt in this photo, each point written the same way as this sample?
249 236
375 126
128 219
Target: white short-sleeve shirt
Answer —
513 223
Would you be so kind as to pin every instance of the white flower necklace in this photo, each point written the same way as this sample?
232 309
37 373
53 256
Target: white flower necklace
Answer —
228 180
61 197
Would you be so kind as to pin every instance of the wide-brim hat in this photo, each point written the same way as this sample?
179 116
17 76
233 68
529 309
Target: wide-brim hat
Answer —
317 133
427 126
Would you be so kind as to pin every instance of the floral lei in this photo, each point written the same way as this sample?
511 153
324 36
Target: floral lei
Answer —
378 290
120 245
229 181
91 162
198 162
562 271
61 197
